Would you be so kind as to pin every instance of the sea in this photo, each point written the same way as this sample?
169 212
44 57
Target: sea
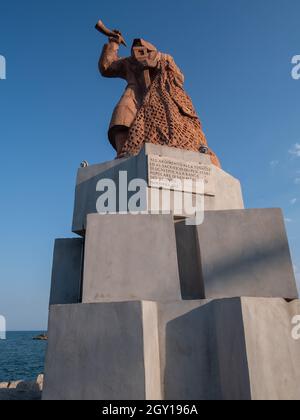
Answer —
21 357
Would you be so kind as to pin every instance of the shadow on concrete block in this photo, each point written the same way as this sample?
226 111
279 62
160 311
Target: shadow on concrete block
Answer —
189 263
203 351
239 253
67 271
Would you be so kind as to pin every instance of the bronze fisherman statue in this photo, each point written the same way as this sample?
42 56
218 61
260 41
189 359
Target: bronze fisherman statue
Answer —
154 107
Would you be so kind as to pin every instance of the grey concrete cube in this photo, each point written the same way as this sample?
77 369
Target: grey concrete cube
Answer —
95 352
67 271
239 253
130 257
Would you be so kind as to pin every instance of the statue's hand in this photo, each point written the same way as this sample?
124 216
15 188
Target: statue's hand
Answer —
118 37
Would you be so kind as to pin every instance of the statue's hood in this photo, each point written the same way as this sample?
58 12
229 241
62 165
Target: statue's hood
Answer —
141 42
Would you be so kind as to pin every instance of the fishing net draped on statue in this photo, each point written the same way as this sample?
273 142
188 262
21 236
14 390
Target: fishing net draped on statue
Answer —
167 116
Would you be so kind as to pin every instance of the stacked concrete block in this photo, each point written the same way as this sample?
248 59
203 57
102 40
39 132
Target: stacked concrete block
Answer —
95 352
130 258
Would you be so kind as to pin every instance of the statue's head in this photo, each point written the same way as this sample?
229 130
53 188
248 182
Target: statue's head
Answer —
143 51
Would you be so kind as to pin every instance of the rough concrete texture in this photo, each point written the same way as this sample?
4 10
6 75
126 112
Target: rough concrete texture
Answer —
130 258
153 383
66 271
272 351
228 194
228 349
240 253
95 352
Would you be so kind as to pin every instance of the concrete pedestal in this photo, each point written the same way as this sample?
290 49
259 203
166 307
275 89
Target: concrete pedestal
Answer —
146 307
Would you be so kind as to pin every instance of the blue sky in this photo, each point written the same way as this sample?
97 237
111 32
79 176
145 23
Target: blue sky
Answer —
55 109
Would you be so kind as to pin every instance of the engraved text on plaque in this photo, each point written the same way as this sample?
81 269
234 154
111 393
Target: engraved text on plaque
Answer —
165 172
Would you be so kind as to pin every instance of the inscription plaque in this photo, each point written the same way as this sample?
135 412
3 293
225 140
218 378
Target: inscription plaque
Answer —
172 173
